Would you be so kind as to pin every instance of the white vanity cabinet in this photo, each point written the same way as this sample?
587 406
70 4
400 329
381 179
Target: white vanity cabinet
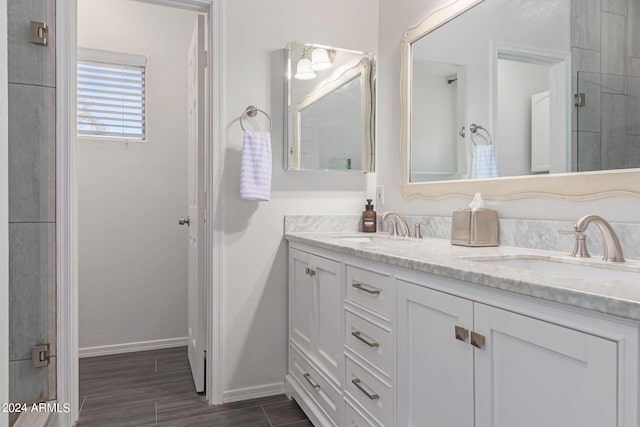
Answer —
315 342
369 351
435 370
464 363
379 345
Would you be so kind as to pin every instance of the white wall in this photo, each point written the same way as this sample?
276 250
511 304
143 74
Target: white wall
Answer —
4 219
517 82
395 18
133 253
255 265
433 124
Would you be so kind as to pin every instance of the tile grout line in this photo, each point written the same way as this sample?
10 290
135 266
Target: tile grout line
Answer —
81 406
292 423
265 414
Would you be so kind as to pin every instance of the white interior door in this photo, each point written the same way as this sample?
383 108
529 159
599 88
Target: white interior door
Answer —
197 200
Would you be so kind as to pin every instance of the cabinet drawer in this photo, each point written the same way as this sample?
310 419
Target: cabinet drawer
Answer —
356 419
371 290
327 397
371 392
370 341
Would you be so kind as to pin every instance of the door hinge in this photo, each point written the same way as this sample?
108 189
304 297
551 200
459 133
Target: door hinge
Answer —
204 58
579 100
39 33
40 355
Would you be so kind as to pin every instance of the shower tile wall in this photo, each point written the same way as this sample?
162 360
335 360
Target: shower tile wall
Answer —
605 41
31 200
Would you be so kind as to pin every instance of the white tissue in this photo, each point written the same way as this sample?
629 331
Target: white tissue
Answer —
477 202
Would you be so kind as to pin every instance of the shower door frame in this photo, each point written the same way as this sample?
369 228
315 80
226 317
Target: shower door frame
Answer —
66 206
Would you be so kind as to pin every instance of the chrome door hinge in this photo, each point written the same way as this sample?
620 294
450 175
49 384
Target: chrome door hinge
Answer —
40 355
579 100
39 33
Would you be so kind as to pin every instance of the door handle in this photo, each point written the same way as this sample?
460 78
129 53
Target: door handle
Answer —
477 340
461 333
183 221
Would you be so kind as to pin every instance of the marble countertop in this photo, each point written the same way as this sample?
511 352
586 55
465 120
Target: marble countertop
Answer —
438 256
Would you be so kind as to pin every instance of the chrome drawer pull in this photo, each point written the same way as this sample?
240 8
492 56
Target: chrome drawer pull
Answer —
308 378
363 289
356 382
371 344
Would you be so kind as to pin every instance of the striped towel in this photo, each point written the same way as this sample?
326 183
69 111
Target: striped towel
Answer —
484 162
255 166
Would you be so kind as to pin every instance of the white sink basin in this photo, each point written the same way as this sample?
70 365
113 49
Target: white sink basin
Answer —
355 239
566 267
361 238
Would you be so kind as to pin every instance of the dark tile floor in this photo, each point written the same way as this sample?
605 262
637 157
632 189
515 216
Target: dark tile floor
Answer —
152 388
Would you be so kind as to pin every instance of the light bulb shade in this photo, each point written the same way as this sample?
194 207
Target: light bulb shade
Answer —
304 71
320 59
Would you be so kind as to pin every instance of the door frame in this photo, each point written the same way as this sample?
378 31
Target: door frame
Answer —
66 202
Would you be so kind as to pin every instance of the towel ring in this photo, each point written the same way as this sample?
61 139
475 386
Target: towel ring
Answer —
474 128
253 111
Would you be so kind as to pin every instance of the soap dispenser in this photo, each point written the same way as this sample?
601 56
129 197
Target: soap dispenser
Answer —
369 218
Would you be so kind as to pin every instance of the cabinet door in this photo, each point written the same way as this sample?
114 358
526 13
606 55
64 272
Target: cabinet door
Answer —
329 315
435 370
531 373
301 298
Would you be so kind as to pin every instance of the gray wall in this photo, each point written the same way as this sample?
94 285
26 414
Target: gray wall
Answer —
31 199
605 41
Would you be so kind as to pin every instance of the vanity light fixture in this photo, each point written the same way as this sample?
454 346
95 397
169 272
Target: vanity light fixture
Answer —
303 67
321 59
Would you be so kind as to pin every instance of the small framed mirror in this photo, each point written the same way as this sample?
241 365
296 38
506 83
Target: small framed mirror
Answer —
330 104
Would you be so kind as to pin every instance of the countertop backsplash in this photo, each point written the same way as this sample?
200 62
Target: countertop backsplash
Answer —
522 233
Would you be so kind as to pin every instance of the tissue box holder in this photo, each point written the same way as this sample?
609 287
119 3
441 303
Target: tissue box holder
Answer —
477 227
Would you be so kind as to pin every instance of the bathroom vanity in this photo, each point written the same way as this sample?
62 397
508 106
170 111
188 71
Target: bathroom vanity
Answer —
415 332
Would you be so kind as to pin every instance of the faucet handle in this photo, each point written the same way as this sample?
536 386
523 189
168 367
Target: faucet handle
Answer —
418 230
567 231
580 249
393 227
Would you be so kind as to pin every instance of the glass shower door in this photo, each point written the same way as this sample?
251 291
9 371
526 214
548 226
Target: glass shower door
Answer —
608 129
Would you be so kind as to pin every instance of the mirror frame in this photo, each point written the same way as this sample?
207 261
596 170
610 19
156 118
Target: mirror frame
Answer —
366 69
567 186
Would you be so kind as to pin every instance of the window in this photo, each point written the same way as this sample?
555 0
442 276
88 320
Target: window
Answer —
111 95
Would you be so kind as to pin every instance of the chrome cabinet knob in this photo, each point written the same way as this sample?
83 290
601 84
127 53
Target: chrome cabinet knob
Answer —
183 221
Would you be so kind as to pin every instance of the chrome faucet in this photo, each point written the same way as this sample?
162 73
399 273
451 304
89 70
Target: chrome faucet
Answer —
398 221
612 248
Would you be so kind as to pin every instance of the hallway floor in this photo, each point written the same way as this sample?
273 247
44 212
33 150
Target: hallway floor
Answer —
152 388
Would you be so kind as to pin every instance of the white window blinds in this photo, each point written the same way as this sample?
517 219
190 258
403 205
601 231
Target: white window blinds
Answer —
111 94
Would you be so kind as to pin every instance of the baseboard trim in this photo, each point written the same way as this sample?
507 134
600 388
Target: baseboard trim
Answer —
131 347
253 392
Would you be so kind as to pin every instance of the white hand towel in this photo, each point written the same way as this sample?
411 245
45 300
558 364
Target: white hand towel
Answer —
484 162
255 166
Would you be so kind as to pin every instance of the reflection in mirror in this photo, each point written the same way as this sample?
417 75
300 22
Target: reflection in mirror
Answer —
510 53
331 109
438 106
550 86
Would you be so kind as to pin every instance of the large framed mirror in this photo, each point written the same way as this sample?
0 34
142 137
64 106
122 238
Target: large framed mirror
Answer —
330 109
517 99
